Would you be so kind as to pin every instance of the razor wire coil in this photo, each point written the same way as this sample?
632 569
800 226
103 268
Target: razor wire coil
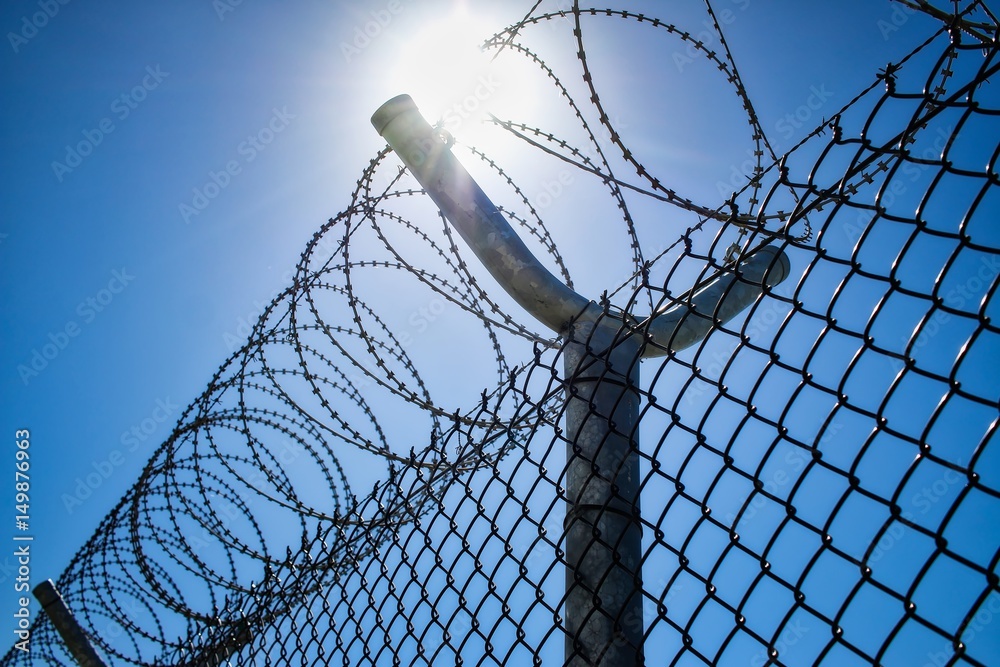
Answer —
812 471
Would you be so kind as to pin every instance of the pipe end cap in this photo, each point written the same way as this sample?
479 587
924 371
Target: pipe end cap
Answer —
390 110
779 269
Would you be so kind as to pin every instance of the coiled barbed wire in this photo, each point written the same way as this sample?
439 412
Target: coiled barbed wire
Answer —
243 539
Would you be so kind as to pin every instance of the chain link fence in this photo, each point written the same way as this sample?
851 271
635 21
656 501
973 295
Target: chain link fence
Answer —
818 475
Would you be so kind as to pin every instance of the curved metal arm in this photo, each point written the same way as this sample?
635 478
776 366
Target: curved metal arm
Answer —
604 599
475 217
519 272
685 324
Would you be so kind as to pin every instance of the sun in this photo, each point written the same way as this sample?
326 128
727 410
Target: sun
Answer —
443 68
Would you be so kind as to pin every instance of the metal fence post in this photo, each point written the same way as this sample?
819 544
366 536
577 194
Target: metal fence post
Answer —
73 636
603 532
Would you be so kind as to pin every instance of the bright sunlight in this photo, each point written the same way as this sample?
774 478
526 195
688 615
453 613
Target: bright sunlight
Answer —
446 73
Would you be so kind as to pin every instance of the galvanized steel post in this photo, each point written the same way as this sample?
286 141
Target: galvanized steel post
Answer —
73 636
603 530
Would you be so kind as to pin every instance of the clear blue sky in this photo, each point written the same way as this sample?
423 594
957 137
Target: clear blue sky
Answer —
163 165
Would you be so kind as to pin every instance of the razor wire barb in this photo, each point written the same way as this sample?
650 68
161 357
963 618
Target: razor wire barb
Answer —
819 476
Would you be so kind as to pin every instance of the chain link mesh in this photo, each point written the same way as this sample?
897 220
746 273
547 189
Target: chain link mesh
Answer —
818 475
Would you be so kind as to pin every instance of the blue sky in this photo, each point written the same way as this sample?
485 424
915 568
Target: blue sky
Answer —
165 165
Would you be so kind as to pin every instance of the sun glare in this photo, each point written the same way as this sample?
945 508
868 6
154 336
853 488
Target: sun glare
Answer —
446 73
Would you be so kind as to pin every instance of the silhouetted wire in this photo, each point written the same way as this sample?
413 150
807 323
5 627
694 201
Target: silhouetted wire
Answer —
778 463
